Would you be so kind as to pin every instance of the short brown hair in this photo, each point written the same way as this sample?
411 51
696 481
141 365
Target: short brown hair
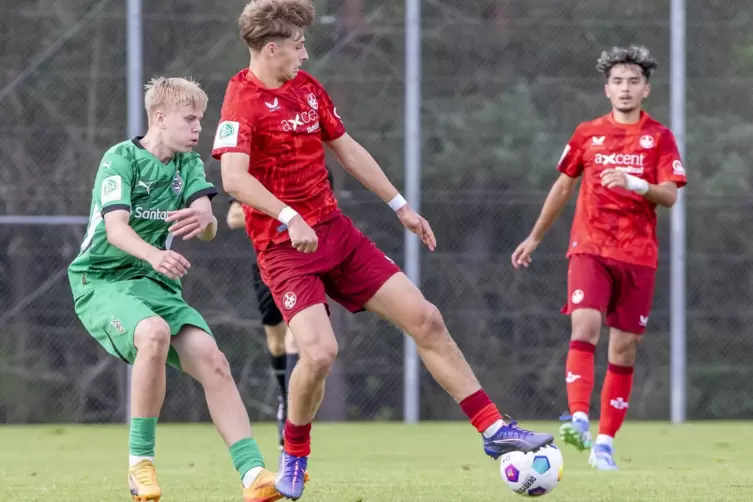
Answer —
264 20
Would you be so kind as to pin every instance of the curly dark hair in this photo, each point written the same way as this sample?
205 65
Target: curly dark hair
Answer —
635 54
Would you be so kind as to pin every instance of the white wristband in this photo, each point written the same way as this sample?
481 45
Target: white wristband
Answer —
397 202
287 214
637 185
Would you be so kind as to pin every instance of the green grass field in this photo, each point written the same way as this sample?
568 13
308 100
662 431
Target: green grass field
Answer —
376 462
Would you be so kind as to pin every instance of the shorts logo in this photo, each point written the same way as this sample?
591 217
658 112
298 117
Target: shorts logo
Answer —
289 299
117 325
643 320
577 296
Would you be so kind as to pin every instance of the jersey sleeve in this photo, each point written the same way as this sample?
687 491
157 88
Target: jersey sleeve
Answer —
670 166
113 183
196 183
571 161
332 124
235 130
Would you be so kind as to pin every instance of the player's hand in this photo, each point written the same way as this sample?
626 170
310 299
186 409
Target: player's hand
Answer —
302 236
612 178
189 222
521 257
169 263
418 225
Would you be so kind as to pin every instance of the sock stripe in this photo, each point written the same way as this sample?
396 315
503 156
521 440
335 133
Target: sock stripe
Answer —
620 370
582 346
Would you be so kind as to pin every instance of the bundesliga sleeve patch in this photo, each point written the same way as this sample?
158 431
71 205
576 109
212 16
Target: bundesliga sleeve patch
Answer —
112 189
227 135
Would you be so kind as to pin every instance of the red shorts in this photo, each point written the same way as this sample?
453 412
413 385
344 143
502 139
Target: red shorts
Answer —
346 266
622 291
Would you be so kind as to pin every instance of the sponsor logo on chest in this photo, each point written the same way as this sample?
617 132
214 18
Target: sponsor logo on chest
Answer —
300 119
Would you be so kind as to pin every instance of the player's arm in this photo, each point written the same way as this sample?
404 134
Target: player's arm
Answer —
203 206
570 167
112 187
196 218
235 217
122 236
243 187
556 200
664 194
359 163
670 175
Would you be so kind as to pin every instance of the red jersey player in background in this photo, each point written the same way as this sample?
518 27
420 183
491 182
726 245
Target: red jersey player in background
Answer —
274 124
629 164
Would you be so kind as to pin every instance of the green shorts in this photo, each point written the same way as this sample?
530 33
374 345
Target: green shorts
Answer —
111 312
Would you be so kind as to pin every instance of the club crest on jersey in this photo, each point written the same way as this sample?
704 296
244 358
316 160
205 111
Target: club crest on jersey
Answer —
313 103
177 184
647 141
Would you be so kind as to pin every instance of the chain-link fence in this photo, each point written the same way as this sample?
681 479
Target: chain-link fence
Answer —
504 84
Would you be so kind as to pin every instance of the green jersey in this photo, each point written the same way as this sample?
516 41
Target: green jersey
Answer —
131 178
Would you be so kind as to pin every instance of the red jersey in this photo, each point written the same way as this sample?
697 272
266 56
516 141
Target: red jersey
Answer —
282 130
617 223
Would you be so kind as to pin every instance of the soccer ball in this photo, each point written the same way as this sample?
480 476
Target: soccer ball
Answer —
534 473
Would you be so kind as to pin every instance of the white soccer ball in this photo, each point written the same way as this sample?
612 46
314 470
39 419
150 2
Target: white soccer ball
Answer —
532 474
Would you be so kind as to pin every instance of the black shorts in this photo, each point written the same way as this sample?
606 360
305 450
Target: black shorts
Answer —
270 314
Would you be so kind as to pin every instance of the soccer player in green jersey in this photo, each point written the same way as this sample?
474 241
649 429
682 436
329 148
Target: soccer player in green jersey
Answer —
127 289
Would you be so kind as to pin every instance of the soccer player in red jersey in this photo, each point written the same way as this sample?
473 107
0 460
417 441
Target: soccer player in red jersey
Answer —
628 164
274 124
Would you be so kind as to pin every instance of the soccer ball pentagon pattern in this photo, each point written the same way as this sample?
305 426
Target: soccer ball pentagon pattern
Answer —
532 474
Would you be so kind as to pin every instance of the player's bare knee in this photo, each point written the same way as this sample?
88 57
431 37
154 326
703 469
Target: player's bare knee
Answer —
320 357
152 337
623 347
586 326
218 366
429 327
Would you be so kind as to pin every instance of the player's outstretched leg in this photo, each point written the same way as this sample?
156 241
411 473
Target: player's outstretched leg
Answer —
148 380
317 347
579 377
615 396
400 302
201 358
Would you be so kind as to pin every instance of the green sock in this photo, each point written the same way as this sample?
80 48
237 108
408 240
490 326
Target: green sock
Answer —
246 455
141 440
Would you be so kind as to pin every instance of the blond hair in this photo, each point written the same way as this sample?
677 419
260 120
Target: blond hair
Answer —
265 20
170 93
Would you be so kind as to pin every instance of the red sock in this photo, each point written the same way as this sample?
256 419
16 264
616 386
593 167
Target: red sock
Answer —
480 410
297 439
614 398
580 375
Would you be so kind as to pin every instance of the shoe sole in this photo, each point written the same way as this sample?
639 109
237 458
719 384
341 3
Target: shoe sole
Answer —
146 498
570 436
